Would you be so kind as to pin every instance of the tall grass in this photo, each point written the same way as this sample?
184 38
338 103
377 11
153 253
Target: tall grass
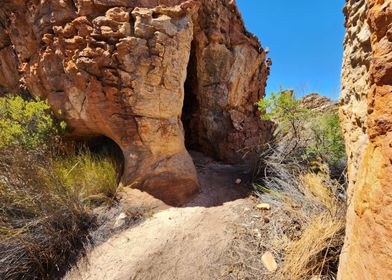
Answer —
86 174
316 248
45 199
44 217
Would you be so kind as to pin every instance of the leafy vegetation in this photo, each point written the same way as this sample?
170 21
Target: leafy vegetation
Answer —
285 109
298 174
28 124
46 198
315 135
327 142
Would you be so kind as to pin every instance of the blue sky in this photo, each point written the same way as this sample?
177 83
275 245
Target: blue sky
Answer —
305 39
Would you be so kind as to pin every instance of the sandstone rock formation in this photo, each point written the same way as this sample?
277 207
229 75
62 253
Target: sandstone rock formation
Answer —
9 76
366 113
142 73
355 83
317 103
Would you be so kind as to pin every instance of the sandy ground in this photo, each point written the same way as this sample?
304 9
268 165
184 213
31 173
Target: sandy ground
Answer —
176 243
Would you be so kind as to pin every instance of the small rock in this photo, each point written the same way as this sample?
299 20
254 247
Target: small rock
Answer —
266 219
120 221
269 262
295 206
257 233
263 206
238 181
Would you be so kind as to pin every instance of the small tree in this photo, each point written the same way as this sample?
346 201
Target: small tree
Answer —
328 142
311 134
29 124
284 109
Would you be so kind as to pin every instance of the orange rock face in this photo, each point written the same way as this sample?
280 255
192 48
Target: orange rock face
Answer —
144 74
368 248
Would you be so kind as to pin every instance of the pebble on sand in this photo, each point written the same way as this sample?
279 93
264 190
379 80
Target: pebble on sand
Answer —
269 262
263 206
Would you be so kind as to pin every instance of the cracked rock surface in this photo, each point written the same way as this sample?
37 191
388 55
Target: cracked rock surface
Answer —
366 111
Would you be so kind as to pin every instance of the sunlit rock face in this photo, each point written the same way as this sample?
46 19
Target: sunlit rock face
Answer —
366 113
147 74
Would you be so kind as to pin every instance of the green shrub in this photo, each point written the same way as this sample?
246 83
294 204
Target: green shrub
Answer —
29 124
45 213
284 109
315 135
298 174
328 141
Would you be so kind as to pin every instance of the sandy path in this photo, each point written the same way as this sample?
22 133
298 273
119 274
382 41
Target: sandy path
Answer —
176 243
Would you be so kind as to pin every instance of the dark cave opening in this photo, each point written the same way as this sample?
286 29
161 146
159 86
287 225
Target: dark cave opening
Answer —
105 147
191 107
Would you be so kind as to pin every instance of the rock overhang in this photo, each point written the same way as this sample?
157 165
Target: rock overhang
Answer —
118 69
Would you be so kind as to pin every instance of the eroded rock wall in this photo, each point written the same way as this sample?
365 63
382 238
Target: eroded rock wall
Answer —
229 76
117 68
9 76
367 120
355 83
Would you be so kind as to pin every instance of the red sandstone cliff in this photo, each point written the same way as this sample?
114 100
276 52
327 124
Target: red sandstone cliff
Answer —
366 111
142 73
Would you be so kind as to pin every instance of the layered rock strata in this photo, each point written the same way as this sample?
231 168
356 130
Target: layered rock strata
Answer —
317 103
142 73
367 120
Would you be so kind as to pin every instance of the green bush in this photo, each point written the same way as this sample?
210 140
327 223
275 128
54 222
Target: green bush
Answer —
316 135
45 196
284 109
28 124
328 142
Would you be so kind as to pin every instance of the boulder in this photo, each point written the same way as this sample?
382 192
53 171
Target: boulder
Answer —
317 103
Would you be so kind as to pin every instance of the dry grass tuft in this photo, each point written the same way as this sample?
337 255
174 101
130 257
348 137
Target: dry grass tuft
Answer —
305 228
315 186
317 252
